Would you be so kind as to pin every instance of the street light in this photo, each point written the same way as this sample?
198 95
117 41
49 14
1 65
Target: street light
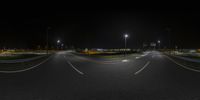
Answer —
158 43
62 45
125 36
58 41
47 40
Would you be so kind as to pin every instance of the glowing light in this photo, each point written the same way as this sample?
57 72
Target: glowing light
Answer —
158 41
126 35
125 60
58 41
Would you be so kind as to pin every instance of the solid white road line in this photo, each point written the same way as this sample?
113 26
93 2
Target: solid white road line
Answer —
142 68
137 57
17 71
182 65
143 55
74 67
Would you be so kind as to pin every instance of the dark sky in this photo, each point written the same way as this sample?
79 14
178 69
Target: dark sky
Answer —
100 28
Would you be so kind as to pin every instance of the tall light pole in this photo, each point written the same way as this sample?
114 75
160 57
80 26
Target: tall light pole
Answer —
47 40
158 44
58 42
62 45
169 37
125 36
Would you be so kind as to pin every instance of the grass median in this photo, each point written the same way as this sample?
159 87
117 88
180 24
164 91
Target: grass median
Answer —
192 57
15 57
22 65
190 64
109 56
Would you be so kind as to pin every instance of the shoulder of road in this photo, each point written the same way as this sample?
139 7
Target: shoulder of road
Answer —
20 65
185 62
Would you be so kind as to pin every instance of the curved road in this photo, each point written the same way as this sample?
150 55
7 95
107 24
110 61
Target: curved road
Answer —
69 77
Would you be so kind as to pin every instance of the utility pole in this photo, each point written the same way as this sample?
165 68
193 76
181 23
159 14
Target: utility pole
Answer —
158 44
169 36
125 36
47 40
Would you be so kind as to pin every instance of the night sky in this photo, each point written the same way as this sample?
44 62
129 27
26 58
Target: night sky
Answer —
100 28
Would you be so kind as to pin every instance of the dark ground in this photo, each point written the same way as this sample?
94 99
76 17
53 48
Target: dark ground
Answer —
102 80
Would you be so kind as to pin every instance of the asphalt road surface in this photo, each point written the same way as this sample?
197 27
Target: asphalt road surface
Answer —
65 76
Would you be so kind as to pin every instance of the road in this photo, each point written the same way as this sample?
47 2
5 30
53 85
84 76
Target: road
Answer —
66 76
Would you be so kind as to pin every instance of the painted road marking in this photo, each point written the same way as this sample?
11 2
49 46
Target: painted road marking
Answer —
182 65
74 67
125 60
137 57
143 55
17 71
142 68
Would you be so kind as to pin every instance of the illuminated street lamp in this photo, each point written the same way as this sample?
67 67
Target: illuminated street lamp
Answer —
158 43
125 36
62 45
47 40
58 41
